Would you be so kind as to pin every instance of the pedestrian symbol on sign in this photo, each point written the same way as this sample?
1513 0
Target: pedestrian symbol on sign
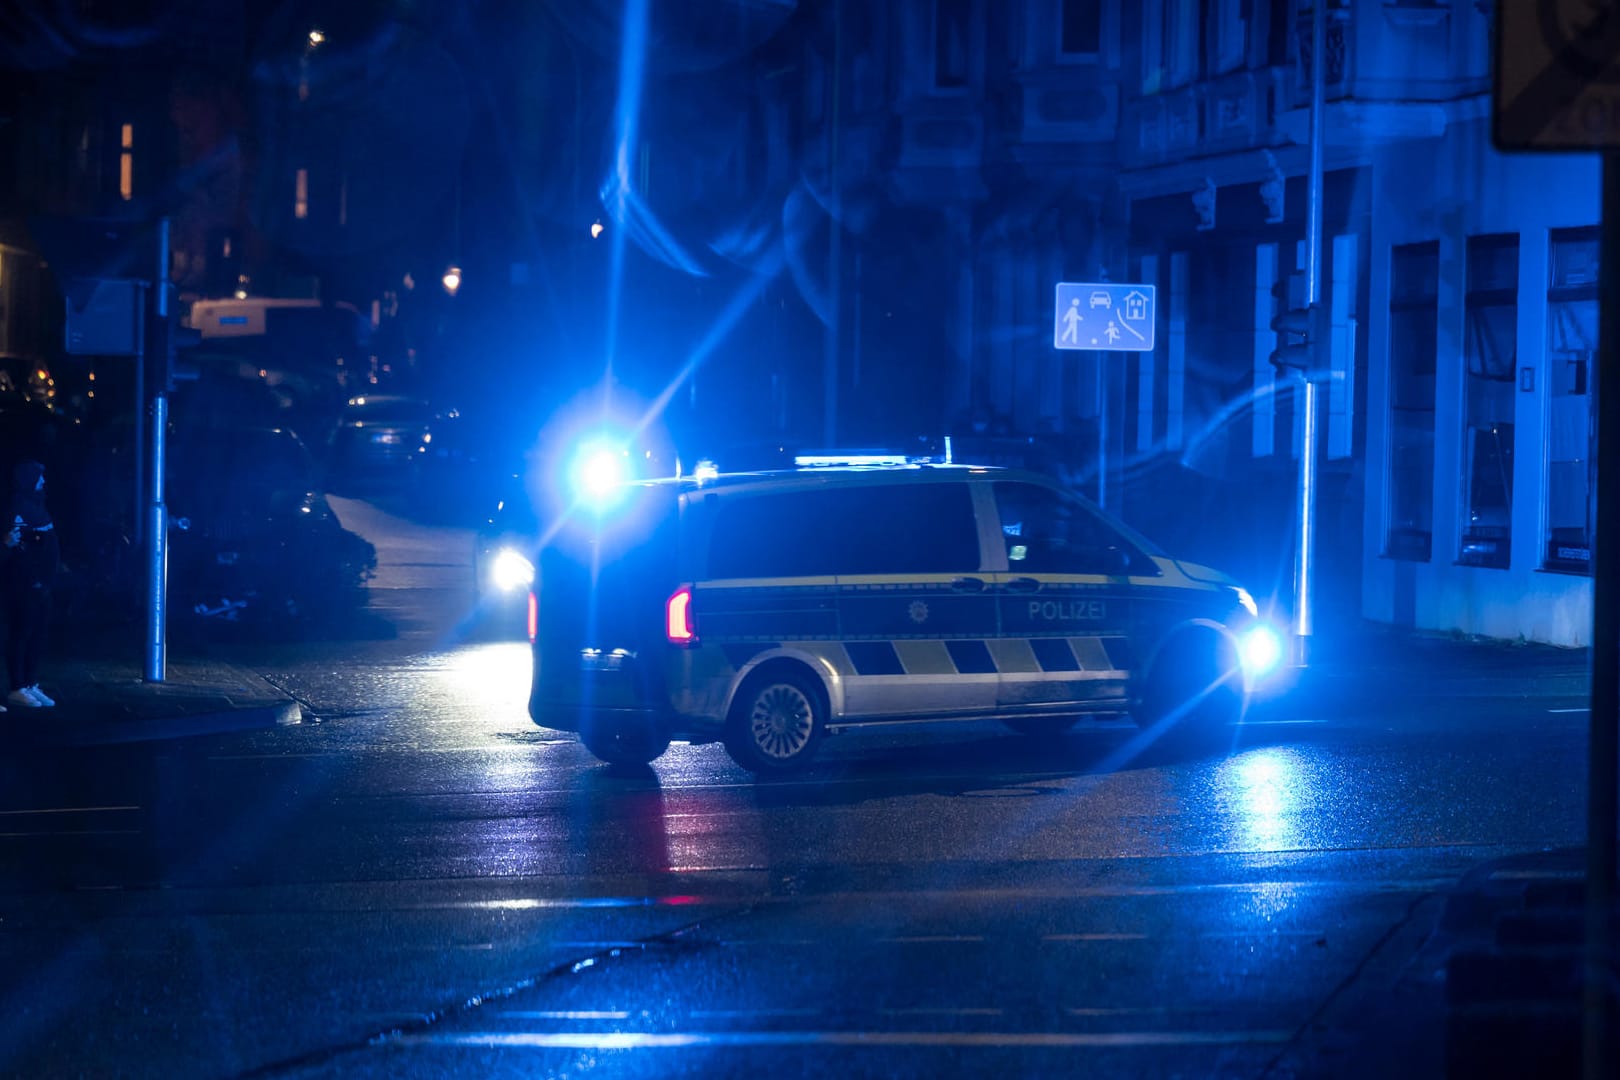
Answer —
1071 322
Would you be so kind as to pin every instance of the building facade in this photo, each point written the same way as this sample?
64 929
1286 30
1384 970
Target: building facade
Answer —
1166 142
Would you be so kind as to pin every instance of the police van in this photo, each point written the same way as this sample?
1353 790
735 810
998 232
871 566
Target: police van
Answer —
770 610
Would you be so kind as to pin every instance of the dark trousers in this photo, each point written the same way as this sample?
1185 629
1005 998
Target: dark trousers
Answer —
28 615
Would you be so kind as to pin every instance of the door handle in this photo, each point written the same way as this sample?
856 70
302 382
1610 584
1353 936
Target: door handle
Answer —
1022 584
967 584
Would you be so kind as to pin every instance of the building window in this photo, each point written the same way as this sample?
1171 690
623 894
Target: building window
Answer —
1572 338
1491 351
1082 27
1414 300
1172 43
126 162
952 19
1231 35
301 193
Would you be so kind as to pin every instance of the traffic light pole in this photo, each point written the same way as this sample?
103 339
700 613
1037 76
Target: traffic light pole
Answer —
1305 555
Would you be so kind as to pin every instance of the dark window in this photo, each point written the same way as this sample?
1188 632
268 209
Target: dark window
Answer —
1414 298
1491 348
1082 27
1049 533
1572 333
952 19
885 529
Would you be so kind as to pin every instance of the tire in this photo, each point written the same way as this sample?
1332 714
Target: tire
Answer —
1041 727
777 722
619 745
1194 693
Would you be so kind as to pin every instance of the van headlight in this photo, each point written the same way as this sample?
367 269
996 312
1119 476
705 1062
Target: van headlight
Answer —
511 571
1260 651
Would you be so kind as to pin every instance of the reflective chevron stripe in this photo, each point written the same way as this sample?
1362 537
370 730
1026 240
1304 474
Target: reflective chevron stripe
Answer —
1078 656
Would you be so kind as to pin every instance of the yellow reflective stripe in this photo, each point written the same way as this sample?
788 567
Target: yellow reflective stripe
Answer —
924 657
1091 654
1013 656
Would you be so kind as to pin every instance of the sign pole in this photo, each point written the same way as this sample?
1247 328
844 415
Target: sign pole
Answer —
1102 429
1305 564
1603 757
160 349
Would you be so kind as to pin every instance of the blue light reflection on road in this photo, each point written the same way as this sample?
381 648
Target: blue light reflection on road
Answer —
1263 793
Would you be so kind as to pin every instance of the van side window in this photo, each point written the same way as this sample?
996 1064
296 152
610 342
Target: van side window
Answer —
1046 533
886 529
908 529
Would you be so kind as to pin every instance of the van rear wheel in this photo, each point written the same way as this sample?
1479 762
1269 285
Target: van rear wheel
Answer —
620 745
777 722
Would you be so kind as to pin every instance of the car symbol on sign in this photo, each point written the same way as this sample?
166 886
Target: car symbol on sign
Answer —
1101 299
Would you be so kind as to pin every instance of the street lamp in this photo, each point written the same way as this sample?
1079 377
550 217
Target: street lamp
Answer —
452 280
597 229
316 37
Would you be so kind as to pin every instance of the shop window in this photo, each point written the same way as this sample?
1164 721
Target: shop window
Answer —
1413 313
1489 387
1572 339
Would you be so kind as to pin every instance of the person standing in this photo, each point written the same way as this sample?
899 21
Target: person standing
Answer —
28 575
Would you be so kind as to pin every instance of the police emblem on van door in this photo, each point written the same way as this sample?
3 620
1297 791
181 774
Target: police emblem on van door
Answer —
918 611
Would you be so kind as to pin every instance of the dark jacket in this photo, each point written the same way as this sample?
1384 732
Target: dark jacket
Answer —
32 564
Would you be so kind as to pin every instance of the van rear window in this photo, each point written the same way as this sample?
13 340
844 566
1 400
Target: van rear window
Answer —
882 529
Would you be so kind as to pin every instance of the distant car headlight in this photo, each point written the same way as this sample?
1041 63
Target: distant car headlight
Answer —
1259 650
511 571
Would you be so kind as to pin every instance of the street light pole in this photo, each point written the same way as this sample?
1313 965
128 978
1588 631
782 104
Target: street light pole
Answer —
1305 560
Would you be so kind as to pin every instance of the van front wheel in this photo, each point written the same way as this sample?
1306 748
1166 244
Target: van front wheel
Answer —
777 722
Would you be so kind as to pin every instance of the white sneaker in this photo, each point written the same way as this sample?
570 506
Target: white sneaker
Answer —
39 695
24 698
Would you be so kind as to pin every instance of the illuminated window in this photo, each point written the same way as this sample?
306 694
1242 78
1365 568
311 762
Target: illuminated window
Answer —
1492 351
1414 300
301 194
126 162
1572 339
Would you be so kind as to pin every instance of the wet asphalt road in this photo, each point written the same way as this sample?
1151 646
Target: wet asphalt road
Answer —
418 882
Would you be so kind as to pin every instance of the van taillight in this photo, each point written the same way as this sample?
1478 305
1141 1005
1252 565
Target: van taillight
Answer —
534 617
678 621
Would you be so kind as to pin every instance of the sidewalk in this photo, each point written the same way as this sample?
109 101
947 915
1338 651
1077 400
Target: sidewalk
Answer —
101 697
1370 665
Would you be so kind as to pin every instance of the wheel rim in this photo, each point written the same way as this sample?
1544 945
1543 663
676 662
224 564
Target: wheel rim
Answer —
781 721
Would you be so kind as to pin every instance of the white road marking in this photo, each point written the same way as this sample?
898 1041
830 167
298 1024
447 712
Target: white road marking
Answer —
69 810
1094 937
70 832
941 1012
1584 709
562 1014
743 1014
635 1040
933 939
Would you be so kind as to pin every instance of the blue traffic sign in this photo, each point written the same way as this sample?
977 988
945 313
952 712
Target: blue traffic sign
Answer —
1104 316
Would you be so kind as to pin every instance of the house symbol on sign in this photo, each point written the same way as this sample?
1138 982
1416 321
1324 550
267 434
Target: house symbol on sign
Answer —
1135 305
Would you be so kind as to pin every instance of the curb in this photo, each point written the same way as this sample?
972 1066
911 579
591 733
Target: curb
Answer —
217 722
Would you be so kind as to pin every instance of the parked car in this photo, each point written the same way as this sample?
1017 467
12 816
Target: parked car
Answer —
251 536
376 442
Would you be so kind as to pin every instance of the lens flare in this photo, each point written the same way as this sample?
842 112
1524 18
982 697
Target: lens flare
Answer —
1261 651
